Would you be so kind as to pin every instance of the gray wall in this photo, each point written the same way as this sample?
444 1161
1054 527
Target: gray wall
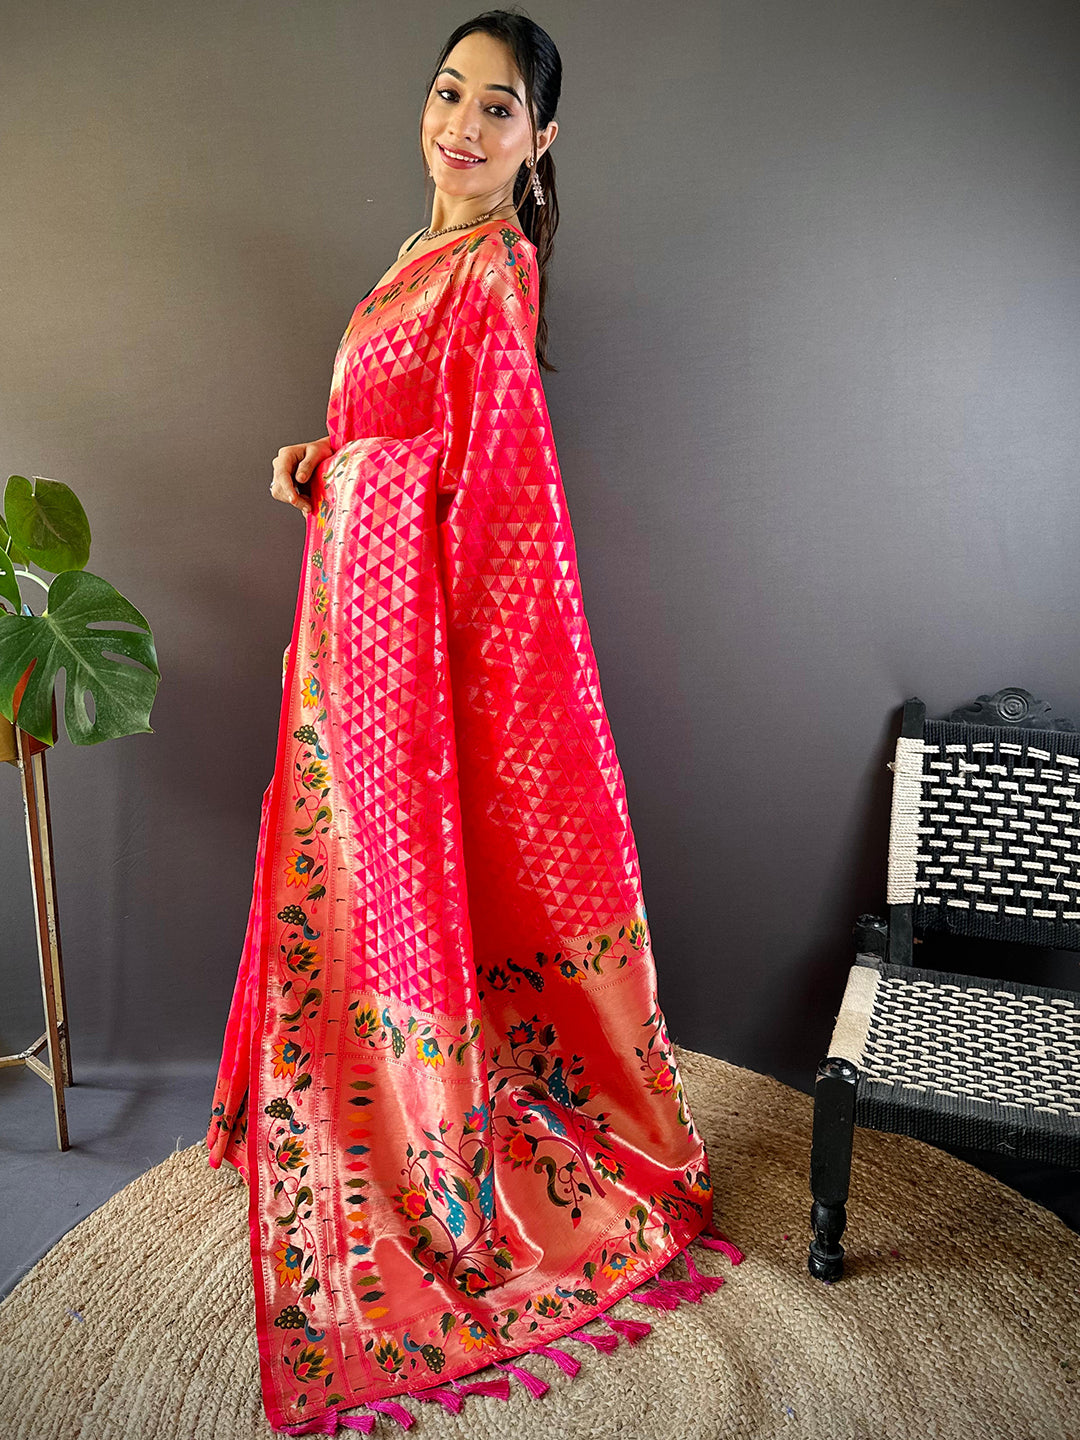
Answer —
815 308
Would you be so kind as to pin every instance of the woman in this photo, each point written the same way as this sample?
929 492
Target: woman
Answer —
446 1078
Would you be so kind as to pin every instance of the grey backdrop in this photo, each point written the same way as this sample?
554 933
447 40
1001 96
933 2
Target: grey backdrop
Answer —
815 308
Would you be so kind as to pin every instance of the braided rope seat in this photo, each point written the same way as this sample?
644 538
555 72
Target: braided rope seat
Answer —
984 842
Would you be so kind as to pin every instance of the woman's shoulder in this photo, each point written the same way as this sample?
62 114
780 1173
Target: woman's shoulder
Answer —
499 269
499 247
408 241
514 238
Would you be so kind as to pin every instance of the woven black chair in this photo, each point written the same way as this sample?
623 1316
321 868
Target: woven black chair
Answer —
984 842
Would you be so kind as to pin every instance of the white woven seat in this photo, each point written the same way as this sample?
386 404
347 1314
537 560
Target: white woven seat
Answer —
990 1064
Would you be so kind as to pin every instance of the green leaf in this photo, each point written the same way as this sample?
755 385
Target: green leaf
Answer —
61 639
48 523
9 582
14 553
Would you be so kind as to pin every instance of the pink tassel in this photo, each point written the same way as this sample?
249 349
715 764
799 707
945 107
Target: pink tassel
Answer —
449 1399
689 1290
532 1383
605 1343
669 1294
713 1240
404 1417
662 1296
706 1284
500 1388
564 1360
634 1330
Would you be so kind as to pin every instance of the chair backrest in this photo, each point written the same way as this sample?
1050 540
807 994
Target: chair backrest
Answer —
985 833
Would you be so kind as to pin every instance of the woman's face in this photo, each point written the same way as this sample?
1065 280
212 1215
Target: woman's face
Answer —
477 108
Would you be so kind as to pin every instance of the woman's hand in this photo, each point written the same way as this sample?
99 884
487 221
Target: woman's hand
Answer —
293 465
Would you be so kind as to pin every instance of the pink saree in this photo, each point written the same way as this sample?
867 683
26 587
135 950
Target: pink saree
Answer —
446 1078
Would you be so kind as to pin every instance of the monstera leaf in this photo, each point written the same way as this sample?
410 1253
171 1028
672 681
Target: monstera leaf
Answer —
48 523
61 639
14 553
9 583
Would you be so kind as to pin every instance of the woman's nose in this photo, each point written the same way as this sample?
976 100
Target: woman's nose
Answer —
470 124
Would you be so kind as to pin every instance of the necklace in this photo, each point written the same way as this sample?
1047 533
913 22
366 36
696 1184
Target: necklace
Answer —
464 225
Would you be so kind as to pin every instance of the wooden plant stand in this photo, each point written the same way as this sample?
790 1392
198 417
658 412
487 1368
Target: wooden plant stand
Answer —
23 750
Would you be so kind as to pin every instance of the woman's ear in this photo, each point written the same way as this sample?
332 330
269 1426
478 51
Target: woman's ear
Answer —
550 132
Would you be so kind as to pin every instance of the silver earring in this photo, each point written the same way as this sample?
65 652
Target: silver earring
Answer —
537 188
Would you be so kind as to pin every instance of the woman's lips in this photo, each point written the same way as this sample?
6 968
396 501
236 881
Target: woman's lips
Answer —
457 164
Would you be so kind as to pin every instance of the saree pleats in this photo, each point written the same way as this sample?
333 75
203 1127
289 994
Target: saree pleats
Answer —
446 1076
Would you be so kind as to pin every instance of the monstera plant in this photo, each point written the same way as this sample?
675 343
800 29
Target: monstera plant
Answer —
76 631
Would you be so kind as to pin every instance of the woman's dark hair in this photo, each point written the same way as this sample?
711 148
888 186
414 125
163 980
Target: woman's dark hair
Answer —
540 67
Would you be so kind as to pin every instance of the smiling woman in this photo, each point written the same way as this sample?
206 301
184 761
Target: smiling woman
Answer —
452 112
456 156
446 1076
486 130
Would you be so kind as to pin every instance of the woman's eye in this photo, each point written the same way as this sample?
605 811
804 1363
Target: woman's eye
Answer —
505 112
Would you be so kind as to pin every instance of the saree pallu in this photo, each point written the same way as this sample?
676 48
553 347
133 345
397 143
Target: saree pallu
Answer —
446 1076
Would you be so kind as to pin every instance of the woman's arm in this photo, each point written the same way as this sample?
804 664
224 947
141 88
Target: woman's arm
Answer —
293 465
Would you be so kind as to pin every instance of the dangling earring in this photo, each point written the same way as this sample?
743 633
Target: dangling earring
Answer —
537 188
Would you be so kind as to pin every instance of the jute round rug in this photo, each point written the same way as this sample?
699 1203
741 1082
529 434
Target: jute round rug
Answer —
958 1315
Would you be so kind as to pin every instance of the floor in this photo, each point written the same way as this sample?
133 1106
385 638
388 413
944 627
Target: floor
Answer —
123 1122
120 1124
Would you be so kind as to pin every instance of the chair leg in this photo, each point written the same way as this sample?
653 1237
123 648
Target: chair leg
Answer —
830 1164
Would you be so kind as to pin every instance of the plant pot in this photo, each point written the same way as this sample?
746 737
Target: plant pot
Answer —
9 751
